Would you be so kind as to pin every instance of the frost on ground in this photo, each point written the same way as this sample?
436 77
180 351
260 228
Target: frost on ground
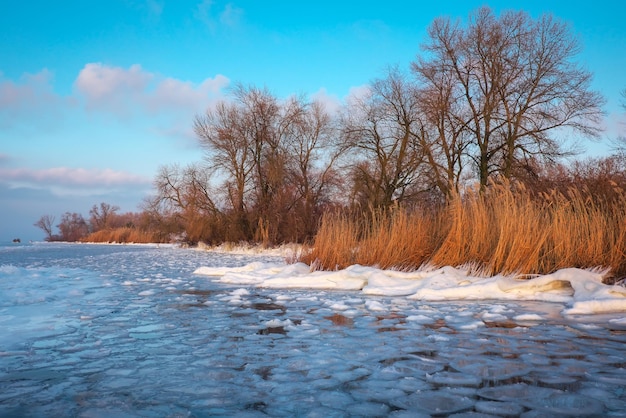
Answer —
143 331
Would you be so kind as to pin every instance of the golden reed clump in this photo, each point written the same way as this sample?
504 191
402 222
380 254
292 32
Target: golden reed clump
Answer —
504 229
124 235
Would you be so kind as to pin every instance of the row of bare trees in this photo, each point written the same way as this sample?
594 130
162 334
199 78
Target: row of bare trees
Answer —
74 227
493 97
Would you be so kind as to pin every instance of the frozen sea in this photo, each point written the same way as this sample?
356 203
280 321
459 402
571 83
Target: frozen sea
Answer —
147 331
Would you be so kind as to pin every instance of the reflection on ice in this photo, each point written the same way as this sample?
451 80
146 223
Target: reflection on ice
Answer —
131 331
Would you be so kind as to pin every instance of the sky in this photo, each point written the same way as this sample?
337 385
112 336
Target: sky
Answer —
95 96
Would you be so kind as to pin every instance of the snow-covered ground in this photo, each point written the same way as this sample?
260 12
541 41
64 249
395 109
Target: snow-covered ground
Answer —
100 331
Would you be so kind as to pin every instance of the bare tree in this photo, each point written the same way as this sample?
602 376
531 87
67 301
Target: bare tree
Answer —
312 146
45 223
619 143
443 138
515 86
272 157
223 135
186 194
384 131
72 227
100 216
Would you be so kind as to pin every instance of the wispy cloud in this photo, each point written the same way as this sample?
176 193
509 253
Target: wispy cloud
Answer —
31 95
71 177
151 10
124 91
215 16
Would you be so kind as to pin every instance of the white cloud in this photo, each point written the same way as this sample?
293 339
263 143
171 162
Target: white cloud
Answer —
127 91
105 86
357 94
331 102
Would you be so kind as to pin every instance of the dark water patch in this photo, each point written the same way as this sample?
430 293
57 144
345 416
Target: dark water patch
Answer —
389 329
268 306
390 361
272 330
198 292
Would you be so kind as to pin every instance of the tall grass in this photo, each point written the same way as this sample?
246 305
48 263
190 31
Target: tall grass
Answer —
505 230
123 235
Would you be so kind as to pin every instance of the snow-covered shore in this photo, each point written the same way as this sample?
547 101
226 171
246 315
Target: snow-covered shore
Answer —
581 291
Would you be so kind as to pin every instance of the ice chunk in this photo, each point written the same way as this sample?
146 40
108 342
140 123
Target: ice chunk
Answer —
374 305
368 409
434 402
566 404
499 408
515 392
445 378
490 369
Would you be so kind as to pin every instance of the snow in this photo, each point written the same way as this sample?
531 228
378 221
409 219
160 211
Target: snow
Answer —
93 330
581 291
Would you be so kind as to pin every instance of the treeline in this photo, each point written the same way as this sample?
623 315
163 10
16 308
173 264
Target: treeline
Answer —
104 224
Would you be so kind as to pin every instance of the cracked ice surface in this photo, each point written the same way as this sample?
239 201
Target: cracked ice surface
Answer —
94 331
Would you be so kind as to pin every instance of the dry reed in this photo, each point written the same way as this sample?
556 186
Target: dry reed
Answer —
122 236
503 230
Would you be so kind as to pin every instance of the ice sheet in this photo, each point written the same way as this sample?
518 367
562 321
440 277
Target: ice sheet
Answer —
133 331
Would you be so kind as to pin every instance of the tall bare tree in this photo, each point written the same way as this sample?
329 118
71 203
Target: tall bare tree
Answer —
269 153
312 147
384 130
222 133
515 86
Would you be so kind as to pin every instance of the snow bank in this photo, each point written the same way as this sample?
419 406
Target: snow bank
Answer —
581 291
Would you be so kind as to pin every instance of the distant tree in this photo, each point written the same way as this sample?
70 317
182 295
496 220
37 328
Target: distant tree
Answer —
72 227
101 216
45 223
513 85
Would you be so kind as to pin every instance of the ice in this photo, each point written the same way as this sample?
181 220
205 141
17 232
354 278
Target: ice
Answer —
434 402
145 331
499 408
515 392
445 378
566 404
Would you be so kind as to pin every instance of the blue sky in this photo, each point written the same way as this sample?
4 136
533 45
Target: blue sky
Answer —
95 96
